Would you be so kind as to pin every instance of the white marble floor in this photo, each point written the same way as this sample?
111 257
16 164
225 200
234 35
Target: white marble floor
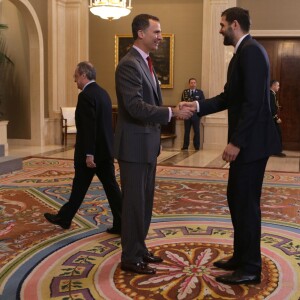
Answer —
212 158
169 156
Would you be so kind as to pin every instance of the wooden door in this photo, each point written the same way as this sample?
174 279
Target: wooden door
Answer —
284 55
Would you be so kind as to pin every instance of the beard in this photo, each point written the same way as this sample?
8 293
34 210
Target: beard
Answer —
228 37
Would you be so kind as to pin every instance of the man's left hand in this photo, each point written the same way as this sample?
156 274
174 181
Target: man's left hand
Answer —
90 161
230 153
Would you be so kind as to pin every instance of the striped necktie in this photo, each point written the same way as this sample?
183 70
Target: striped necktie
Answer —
150 64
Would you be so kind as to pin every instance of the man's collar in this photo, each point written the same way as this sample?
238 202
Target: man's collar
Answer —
139 50
88 84
239 42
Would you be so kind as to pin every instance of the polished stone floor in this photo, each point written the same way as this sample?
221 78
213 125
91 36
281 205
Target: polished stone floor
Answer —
169 156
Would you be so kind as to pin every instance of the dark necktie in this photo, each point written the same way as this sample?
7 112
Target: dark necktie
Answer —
192 93
150 64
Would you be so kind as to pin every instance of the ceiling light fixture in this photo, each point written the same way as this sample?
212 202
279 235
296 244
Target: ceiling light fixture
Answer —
110 9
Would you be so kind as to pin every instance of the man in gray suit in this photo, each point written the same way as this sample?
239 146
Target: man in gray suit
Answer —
137 141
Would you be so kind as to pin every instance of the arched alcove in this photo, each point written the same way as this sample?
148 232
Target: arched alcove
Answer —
35 74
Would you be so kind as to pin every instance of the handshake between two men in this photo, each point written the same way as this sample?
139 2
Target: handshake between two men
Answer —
184 110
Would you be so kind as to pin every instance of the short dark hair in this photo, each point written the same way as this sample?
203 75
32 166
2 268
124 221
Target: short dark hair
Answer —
239 14
141 22
192 78
273 81
88 69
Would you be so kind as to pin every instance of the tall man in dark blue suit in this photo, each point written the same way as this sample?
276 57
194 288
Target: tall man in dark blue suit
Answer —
252 138
93 149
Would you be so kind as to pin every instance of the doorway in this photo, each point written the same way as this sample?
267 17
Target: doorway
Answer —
284 55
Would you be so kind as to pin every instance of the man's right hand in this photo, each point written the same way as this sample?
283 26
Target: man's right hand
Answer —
182 113
191 105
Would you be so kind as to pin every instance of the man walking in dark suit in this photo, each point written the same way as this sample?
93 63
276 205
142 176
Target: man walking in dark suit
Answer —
137 140
93 149
191 94
252 138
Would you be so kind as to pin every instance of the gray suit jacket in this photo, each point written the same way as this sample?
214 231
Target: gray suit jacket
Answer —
137 135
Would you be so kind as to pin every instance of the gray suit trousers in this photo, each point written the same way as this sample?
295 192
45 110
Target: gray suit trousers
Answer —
138 183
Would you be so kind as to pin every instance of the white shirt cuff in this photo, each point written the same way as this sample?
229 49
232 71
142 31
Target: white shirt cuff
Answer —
170 113
198 106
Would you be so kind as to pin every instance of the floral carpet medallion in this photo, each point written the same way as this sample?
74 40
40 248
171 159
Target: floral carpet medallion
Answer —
90 268
187 273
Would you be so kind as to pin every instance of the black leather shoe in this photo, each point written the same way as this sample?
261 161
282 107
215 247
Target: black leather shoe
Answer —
113 230
239 277
150 258
56 220
226 264
197 149
281 154
140 268
184 148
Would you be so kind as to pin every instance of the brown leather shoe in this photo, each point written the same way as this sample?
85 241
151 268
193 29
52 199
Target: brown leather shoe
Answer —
239 277
57 220
139 267
229 265
150 258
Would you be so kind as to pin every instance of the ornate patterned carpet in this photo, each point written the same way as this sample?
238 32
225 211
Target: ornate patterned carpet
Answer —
191 229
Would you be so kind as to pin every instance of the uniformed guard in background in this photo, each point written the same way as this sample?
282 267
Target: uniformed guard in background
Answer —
191 94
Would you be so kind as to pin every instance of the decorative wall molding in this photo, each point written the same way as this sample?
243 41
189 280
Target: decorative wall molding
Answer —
276 33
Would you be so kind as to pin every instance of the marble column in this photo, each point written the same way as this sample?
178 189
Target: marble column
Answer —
215 60
68 45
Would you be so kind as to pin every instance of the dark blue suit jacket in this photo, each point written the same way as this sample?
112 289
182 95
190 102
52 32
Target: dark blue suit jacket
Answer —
247 97
93 117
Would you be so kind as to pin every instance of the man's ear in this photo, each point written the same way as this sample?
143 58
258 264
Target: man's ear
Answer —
141 34
235 24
